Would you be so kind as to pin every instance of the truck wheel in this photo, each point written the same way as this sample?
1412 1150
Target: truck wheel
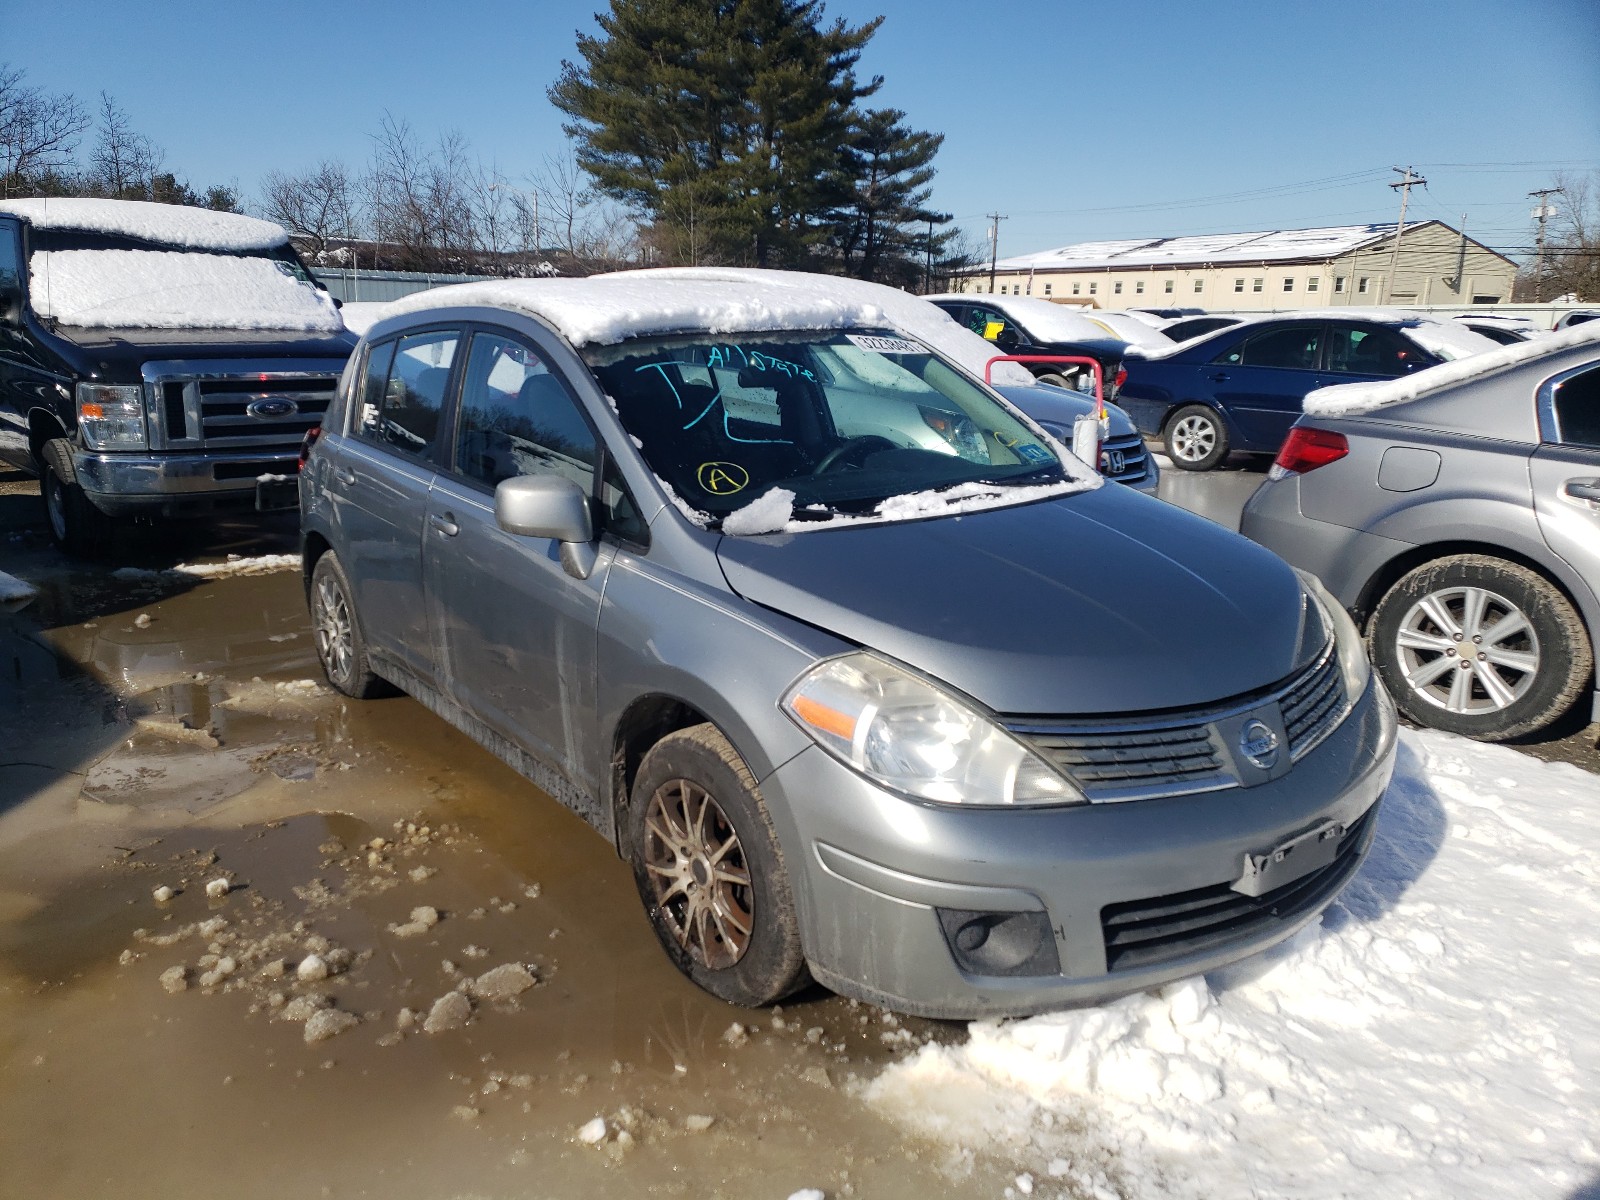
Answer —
76 525
1480 647
340 645
710 871
1196 438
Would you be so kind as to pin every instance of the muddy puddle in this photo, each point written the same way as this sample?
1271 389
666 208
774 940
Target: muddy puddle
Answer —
256 940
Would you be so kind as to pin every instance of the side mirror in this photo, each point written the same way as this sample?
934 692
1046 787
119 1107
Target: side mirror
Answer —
553 507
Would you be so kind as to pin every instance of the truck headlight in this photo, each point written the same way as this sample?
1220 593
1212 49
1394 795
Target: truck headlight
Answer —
111 416
901 731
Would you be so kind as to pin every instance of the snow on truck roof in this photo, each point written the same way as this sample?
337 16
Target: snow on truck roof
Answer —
166 224
1354 399
606 309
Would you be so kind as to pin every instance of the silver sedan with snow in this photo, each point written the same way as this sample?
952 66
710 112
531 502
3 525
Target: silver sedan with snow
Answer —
869 680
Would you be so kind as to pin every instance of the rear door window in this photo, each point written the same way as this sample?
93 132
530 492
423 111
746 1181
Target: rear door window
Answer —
1371 350
1577 403
402 412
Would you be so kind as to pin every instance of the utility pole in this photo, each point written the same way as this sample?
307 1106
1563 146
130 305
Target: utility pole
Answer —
1407 181
1461 259
1542 214
994 246
927 270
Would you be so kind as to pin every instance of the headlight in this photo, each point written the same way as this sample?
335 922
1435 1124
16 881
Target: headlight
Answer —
958 430
1353 665
111 416
902 732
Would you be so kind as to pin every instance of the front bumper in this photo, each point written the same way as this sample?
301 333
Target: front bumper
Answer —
877 876
175 484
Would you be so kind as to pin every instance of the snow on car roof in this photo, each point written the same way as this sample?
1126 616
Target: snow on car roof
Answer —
1448 339
1353 399
1273 245
606 309
167 224
1065 323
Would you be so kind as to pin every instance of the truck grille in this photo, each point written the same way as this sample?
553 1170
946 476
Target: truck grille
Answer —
1175 754
235 405
1146 933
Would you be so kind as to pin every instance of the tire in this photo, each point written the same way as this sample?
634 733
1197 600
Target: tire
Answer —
1055 379
694 800
1532 658
1196 438
341 648
75 524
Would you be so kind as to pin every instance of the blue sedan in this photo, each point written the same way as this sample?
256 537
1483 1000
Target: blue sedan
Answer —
1242 387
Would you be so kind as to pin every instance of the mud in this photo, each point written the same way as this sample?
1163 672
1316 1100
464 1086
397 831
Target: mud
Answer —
158 732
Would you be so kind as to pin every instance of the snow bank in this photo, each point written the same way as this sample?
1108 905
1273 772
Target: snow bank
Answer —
259 564
1352 399
1436 1035
158 289
13 589
361 315
169 224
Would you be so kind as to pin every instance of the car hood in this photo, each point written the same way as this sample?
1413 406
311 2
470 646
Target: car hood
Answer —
1105 601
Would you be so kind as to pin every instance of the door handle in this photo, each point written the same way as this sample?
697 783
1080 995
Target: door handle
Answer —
445 525
344 474
1220 377
1584 489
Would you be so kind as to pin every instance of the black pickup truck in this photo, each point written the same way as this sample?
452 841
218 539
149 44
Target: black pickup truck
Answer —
157 360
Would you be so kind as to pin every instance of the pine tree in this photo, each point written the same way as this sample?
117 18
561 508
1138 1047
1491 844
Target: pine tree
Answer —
721 123
884 231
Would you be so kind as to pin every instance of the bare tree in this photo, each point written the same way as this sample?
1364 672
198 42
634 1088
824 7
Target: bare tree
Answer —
124 162
39 132
319 204
420 198
593 233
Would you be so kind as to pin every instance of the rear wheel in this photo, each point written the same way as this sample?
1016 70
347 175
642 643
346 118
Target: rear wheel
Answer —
710 872
1196 438
1479 646
76 525
340 645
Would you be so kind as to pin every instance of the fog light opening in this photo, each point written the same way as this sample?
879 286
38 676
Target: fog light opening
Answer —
1005 944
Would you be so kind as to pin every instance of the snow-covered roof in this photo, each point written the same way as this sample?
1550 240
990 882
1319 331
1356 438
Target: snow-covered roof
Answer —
167 224
1064 322
1264 246
1353 399
606 309
172 289
1450 340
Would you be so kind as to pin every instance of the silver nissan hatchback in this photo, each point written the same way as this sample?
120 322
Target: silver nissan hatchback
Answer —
870 680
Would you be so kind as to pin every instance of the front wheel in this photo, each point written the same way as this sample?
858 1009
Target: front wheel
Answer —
710 872
340 645
1196 438
1479 646
76 525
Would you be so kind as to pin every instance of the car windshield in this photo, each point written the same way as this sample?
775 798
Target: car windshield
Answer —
843 420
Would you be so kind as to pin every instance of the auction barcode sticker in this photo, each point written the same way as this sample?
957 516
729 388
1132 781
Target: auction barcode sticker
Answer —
884 345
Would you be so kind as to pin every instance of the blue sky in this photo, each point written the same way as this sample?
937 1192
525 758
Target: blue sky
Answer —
1076 120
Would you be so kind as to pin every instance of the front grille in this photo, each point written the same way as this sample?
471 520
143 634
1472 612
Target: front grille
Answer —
249 405
1147 933
1112 765
1184 753
1313 706
1134 457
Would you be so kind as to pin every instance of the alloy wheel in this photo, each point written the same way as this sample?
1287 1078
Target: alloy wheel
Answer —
1193 438
699 877
331 619
1468 650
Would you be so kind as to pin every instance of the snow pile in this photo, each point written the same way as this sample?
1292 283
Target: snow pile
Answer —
361 315
1435 1036
773 511
14 590
161 289
769 513
168 224
1352 399
258 564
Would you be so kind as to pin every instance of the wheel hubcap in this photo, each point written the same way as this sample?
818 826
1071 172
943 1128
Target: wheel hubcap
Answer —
698 875
1468 650
1193 438
335 641
55 506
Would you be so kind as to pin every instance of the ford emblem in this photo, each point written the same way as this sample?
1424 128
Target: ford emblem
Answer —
264 410
1259 743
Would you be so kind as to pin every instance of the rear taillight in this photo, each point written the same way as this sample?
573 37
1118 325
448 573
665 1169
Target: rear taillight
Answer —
307 442
1307 449
1122 378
